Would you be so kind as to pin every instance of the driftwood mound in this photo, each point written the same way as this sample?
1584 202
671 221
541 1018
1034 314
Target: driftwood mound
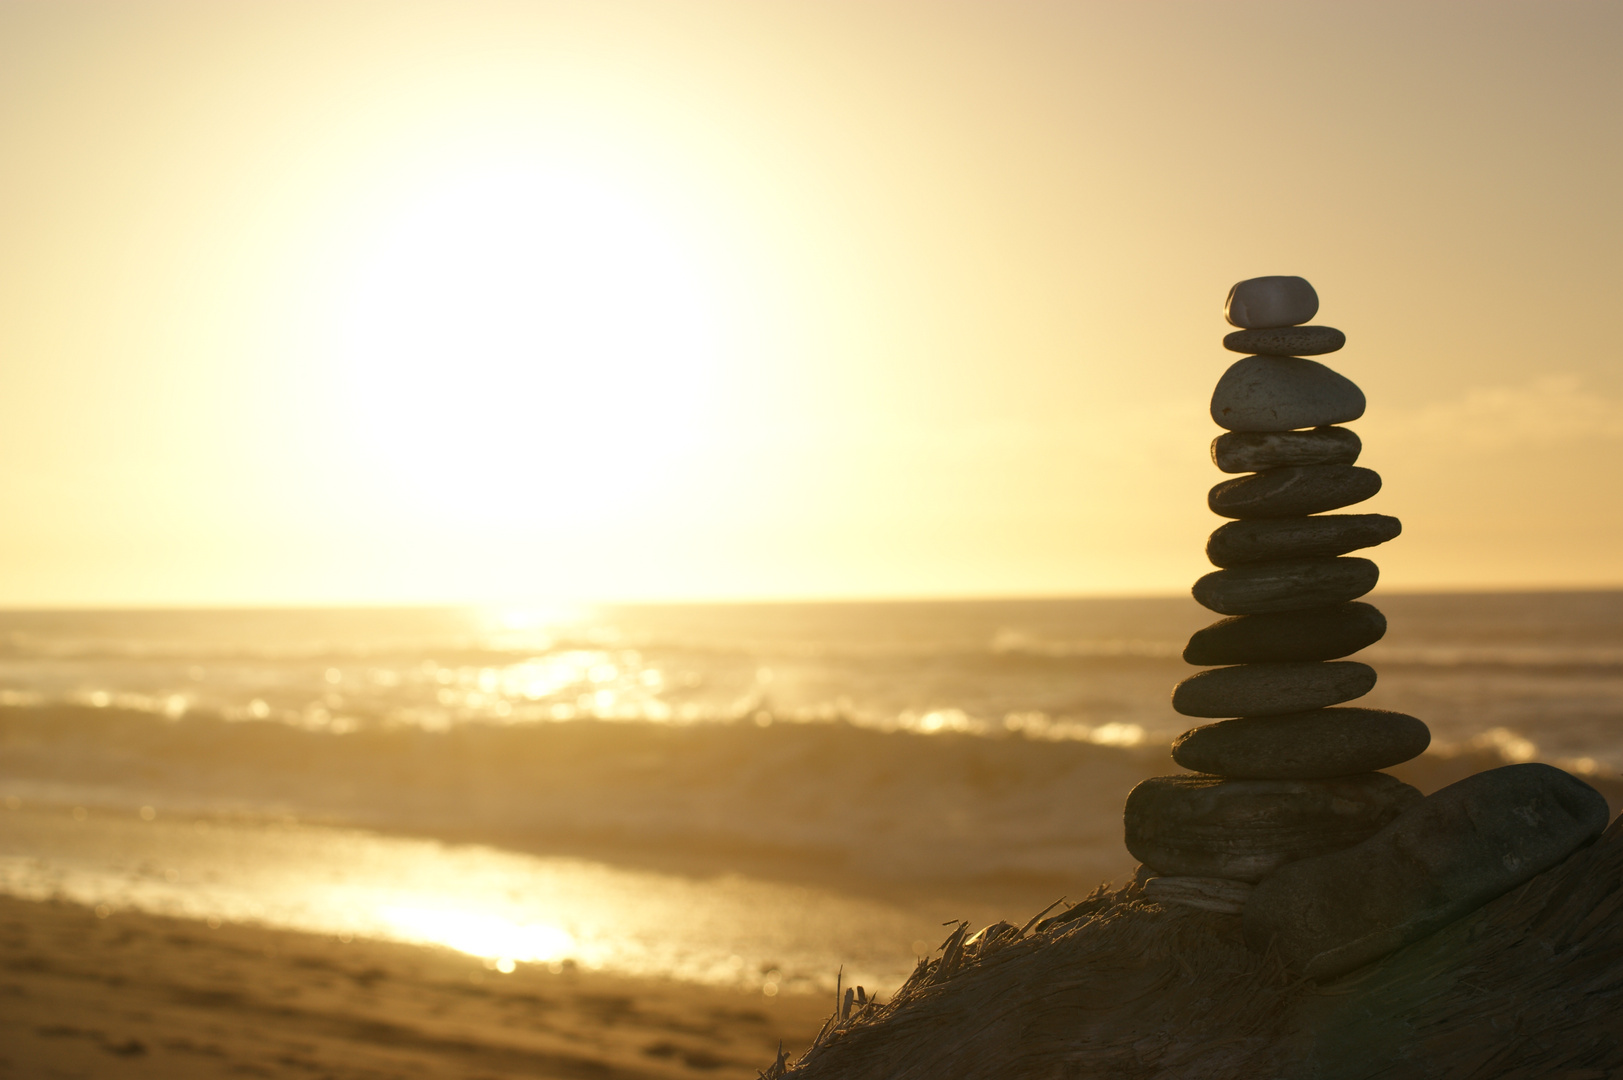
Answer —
1528 986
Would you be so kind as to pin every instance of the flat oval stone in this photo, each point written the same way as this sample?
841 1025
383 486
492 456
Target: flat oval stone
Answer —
1271 689
1280 393
1288 585
1443 858
1303 746
1254 451
1280 300
1204 826
1240 543
1293 491
1205 893
1286 341
1325 633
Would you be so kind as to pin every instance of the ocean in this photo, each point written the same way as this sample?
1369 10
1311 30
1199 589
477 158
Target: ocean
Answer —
770 796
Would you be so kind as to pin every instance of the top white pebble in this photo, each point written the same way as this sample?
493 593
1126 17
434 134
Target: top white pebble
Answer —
1260 302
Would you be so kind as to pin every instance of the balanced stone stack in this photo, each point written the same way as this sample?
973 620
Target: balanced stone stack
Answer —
1286 820
1283 774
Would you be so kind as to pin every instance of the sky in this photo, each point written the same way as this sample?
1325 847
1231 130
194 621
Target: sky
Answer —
331 303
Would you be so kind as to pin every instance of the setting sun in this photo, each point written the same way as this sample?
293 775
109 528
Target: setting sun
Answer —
525 340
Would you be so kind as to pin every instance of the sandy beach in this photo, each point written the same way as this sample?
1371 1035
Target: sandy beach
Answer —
133 995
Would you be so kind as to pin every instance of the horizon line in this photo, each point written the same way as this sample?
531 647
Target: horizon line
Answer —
754 601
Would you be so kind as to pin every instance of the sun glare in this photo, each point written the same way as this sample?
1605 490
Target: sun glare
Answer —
482 935
527 341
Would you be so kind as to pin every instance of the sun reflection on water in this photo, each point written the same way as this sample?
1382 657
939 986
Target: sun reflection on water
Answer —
486 936
503 907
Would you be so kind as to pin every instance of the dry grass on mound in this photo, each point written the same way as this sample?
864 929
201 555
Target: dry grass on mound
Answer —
1529 986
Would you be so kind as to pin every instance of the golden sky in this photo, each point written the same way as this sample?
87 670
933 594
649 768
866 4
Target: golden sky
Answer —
402 302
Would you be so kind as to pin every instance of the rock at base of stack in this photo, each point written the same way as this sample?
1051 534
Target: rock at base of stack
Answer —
1243 830
1458 849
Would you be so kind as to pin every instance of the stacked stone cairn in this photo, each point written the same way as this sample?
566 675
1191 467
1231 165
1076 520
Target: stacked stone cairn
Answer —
1285 778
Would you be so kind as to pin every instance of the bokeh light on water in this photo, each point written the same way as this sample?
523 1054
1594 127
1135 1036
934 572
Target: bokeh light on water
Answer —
504 907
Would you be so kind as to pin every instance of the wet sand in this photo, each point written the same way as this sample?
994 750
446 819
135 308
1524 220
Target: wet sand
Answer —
133 995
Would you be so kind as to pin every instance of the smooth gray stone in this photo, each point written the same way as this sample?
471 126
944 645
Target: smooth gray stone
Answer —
1281 393
1325 633
1254 451
1287 585
1271 689
1279 300
1206 893
1458 849
1240 543
1303 746
1286 341
1204 826
1293 491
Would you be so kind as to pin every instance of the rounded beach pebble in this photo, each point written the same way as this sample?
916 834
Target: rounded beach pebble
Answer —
1271 301
1242 542
1281 393
1288 585
1293 491
1205 893
1204 826
1303 746
1325 633
1253 451
1443 858
1271 689
1286 341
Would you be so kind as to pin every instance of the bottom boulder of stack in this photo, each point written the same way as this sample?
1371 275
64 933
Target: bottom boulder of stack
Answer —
1530 985
1244 830
1459 848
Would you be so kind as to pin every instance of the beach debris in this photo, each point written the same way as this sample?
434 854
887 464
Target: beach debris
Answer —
1133 983
1037 918
1442 858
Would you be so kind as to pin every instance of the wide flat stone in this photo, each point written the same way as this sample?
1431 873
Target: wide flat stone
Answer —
1287 585
1279 300
1286 340
1254 451
1206 893
1324 633
1280 393
1240 543
1442 858
1271 689
1293 491
1204 826
1303 746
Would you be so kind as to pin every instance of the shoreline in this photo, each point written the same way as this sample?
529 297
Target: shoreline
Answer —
139 995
